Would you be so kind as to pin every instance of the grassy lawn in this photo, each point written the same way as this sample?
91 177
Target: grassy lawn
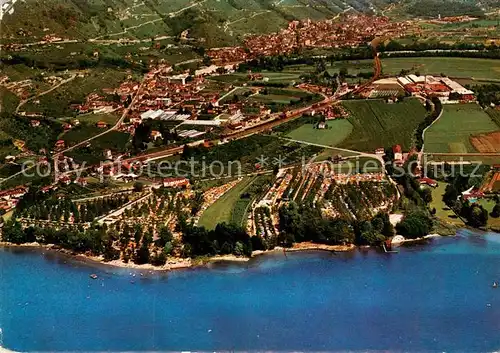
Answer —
378 124
222 209
488 205
455 67
337 131
7 217
443 212
451 134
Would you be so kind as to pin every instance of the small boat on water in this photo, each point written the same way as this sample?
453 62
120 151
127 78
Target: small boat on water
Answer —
93 276
495 285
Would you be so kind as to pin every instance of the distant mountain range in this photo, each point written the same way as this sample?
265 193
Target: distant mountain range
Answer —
218 22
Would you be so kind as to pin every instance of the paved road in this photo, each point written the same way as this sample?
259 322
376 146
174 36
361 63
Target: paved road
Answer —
269 124
23 102
116 126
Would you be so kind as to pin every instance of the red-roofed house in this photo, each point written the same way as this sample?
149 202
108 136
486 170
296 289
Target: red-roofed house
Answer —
65 180
398 152
60 144
428 181
101 125
156 135
81 181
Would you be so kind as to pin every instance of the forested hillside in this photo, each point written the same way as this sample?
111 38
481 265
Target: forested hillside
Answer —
433 8
218 22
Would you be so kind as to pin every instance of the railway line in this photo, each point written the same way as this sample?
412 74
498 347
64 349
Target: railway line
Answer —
276 119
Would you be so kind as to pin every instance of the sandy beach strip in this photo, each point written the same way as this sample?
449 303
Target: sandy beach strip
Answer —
5 350
173 263
306 246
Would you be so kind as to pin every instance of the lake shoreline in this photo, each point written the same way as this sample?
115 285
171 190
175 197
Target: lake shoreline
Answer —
177 263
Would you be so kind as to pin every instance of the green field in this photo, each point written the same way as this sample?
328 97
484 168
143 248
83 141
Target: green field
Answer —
288 76
488 205
454 67
222 209
353 67
378 124
443 212
80 133
452 132
9 100
337 131
57 103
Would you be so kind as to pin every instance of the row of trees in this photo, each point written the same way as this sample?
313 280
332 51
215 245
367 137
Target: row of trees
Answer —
56 209
487 94
99 240
394 46
300 223
433 114
475 214
280 62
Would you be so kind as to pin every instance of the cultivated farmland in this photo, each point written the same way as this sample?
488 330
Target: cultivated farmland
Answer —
288 76
378 124
336 132
487 143
452 133
454 67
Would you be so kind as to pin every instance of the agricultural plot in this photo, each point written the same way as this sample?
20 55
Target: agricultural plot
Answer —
494 115
454 67
246 153
454 131
9 100
57 103
80 133
335 132
353 67
443 212
465 158
378 124
275 98
222 209
288 76
236 95
492 183
242 207
487 143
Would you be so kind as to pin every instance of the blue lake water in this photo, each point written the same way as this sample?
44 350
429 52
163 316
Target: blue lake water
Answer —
434 297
